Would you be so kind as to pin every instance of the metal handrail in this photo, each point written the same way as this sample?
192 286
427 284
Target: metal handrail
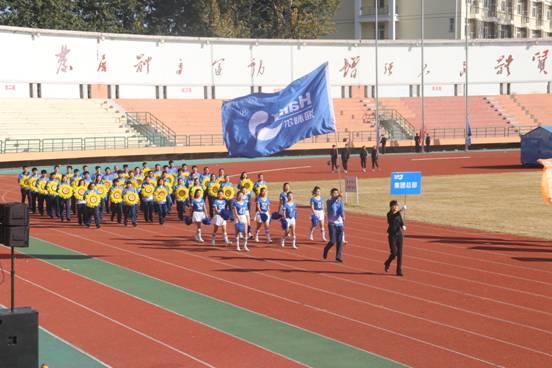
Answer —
160 128
195 140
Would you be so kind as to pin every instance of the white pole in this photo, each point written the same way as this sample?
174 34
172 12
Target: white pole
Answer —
377 79
467 79
423 75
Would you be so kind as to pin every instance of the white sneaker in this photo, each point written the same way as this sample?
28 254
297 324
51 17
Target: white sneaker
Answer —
200 239
245 248
324 238
311 237
268 240
283 243
256 238
213 242
294 246
238 248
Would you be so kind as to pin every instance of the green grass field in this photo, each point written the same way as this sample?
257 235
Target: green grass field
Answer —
503 202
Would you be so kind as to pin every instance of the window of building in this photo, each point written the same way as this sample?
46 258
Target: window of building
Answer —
381 4
548 14
381 31
486 3
503 6
451 25
534 11
519 8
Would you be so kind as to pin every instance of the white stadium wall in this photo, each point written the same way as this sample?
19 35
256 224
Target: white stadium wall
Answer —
62 64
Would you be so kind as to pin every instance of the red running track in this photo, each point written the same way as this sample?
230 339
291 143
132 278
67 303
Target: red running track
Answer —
466 299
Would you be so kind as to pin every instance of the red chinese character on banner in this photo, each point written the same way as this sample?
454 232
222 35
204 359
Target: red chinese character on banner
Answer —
540 57
102 65
504 62
389 68
63 66
142 61
253 66
217 66
464 69
425 70
179 67
350 67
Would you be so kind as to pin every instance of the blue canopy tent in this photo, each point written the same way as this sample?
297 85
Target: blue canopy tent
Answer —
536 144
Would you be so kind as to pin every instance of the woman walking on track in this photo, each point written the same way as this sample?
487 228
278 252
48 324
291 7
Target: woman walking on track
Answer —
395 230
283 197
262 218
219 205
198 213
317 215
288 221
336 218
241 216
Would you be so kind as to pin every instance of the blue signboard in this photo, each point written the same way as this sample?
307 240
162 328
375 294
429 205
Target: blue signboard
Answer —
406 183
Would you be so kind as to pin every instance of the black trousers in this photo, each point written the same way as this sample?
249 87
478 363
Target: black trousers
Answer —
363 162
395 249
334 163
375 164
345 163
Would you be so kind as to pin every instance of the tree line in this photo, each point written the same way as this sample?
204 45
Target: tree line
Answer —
306 19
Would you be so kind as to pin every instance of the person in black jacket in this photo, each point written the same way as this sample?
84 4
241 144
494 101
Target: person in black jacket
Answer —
383 143
395 230
417 143
333 158
363 158
375 158
345 155
427 142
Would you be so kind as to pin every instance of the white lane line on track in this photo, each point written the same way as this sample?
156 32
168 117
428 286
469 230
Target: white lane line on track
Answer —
440 158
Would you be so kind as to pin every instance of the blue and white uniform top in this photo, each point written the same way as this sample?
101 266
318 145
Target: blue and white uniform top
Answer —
257 184
263 204
198 205
336 211
225 184
219 205
317 203
172 170
242 211
290 210
283 199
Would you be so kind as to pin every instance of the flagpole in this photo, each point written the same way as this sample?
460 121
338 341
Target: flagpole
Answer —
466 148
423 72
377 78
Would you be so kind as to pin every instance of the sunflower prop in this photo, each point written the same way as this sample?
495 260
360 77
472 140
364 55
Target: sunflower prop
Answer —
79 193
147 191
146 171
32 184
151 181
108 184
75 183
170 180
213 190
116 195
131 198
93 200
102 190
220 180
247 184
229 193
42 187
259 188
160 194
181 193
52 188
57 176
204 182
193 191
24 182
65 191
139 181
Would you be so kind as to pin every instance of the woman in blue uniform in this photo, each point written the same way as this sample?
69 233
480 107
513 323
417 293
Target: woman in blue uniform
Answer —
283 197
290 214
219 205
317 209
198 213
262 218
241 216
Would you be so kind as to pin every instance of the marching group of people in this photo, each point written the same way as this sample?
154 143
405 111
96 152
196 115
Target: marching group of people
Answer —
199 198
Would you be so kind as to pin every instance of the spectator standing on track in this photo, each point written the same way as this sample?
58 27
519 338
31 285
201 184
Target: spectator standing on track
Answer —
427 142
345 155
336 217
375 158
417 143
383 143
363 158
395 230
333 157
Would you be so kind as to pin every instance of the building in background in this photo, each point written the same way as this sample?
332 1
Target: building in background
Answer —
444 19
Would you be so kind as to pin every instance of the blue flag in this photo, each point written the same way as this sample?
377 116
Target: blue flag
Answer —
261 124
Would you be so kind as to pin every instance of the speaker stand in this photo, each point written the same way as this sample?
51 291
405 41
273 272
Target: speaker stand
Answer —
12 274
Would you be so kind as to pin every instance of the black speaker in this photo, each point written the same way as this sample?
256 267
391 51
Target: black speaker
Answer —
18 338
14 236
14 214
